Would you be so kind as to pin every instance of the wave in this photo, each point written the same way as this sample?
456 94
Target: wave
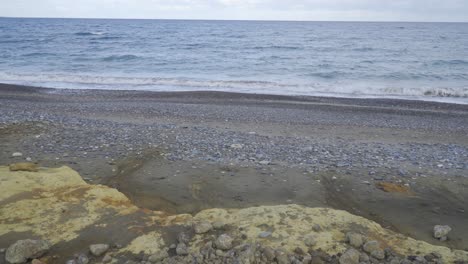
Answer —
450 62
334 89
120 58
89 33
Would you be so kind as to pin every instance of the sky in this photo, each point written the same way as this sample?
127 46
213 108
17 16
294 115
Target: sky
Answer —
308 10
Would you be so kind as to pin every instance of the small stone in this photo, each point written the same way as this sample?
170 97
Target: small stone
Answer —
23 166
317 228
26 249
183 238
354 239
219 253
378 254
107 258
17 154
310 240
264 162
269 253
264 234
82 259
371 246
363 257
351 256
36 261
224 242
182 249
282 257
98 249
218 224
202 227
236 146
441 232
158 256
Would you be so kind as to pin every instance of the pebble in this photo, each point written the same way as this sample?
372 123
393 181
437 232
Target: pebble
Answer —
264 234
224 242
182 249
98 249
17 154
310 240
202 227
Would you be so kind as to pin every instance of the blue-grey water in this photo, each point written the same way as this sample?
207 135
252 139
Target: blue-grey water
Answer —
427 61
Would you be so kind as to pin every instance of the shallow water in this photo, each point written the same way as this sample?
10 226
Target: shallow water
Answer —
427 61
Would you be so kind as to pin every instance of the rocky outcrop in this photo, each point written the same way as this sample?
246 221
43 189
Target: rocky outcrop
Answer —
58 206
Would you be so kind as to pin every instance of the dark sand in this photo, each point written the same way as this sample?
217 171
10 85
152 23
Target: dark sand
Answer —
187 151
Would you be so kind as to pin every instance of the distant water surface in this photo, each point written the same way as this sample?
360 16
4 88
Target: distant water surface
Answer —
426 61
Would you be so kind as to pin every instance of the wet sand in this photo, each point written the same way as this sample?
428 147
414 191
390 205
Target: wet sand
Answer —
184 152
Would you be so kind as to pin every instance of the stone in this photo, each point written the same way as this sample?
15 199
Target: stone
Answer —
310 240
282 257
218 224
36 261
82 259
158 256
269 253
351 256
183 238
371 246
317 228
236 146
107 258
354 239
202 227
98 249
24 166
181 249
17 154
224 242
24 250
363 257
441 232
264 234
378 254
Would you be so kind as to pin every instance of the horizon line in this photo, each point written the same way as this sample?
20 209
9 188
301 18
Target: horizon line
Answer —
238 20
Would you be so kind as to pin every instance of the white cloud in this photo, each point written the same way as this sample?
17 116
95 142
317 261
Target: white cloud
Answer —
408 10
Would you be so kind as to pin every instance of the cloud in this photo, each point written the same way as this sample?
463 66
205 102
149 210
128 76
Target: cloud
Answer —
407 10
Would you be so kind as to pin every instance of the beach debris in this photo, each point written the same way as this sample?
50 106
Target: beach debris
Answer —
98 249
24 250
24 166
17 154
351 256
202 227
224 242
441 232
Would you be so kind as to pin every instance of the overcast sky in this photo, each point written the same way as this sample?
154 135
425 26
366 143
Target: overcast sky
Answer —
336 10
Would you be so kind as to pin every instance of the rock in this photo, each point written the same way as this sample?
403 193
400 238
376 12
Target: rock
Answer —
282 257
183 238
218 224
371 246
441 232
378 254
181 249
17 154
24 166
269 253
310 240
202 227
236 146
363 257
36 261
82 259
264 162
354 239
317 228
107 258
351 256
224 242
24 250
264 234
158 256
98 249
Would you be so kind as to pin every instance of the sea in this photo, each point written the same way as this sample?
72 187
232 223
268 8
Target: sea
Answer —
420 61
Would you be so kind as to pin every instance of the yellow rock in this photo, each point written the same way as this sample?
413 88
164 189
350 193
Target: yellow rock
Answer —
57 205
24 166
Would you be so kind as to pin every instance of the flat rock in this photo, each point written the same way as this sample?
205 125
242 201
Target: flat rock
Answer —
24 250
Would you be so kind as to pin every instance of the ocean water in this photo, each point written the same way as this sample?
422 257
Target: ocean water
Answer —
426 61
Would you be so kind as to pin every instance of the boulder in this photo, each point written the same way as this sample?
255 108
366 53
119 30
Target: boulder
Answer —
24 250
